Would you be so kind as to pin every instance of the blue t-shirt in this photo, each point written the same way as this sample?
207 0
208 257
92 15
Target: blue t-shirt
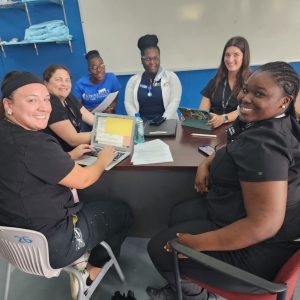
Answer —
150 98
92 94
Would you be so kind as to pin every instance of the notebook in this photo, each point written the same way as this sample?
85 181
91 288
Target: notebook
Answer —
113 130
196 118
167 128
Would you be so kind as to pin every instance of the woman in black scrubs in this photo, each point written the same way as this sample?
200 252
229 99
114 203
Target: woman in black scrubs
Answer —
36 178
249 214
220 94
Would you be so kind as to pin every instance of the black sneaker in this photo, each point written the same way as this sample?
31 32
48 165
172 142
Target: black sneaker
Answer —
118 296
130 295
164 293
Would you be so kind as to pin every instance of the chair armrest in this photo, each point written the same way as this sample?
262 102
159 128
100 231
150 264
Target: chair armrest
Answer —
229 271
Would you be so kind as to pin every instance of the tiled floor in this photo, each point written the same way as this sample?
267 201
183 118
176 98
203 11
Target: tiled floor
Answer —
134 261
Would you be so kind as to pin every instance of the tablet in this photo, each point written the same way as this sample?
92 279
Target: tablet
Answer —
196 118
167 128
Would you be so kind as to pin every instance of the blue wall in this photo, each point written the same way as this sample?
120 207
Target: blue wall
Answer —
192 83
13 23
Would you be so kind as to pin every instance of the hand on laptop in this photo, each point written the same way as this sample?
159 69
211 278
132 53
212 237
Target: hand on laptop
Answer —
107 155
80 150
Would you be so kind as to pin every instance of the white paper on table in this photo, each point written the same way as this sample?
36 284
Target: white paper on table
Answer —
152 152
106 102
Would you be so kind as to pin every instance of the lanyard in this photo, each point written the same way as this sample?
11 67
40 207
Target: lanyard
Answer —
72 116
149 87
225 104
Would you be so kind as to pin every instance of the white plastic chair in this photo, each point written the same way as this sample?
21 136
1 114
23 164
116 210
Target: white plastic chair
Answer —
27 250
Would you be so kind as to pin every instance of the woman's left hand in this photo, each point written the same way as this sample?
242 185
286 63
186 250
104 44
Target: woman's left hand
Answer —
216 120
185 239
109 110
80 150
111 107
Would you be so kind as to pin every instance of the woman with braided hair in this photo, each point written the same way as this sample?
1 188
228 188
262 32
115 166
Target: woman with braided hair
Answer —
297 107
249 214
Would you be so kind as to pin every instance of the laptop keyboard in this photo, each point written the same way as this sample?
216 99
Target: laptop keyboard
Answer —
118 155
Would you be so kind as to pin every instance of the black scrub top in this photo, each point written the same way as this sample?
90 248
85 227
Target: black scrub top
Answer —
71 111
223 94
266 151
32 165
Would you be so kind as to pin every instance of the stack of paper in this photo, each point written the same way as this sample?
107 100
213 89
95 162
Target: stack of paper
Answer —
106 102
152 152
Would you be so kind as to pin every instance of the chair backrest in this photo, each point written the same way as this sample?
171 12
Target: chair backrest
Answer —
289 273
26 250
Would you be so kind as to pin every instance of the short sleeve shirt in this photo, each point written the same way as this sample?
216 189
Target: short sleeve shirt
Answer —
32 165
267 151
150 98
91 94
71 112
223 94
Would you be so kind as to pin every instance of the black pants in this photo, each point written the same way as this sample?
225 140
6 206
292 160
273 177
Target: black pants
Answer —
263 259
98 221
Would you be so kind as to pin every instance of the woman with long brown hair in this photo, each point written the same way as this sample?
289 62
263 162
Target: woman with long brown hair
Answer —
220 94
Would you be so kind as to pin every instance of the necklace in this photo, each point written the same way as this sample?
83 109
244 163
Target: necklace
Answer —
225 103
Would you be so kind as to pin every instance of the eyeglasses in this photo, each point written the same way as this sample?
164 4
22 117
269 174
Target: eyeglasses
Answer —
97 68
148 59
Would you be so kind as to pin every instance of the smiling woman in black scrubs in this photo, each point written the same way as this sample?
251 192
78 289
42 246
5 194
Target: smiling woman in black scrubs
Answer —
249 216
67 113
220 94
155 92
36 177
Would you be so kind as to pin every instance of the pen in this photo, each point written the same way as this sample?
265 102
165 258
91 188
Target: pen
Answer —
157 132
203 135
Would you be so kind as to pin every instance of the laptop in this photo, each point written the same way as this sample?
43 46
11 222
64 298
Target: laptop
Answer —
167 128
196 118
113 130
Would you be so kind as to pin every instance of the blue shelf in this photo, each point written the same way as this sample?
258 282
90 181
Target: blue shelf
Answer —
19 4
39 42
24 5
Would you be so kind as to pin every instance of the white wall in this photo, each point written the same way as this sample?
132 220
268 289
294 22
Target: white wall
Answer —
191 33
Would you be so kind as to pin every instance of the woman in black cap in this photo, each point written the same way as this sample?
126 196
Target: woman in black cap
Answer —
36 177
155 92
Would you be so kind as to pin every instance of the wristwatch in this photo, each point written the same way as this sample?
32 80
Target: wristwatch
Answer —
226 120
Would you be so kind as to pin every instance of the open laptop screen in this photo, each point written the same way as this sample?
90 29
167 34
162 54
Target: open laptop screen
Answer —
114 130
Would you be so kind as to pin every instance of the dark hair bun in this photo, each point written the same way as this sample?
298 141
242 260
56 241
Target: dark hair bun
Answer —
92 54
147 41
